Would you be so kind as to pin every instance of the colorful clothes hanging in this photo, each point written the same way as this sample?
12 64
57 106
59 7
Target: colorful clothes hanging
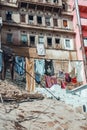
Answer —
30 82
20 65
67 77
39 66
63 85
79 71
38 78
50 81
49 69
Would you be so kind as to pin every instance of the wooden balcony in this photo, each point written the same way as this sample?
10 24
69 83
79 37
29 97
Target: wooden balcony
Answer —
43 2
46 2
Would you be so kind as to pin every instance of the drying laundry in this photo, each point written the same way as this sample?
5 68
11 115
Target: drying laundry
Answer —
38 78
49 69
67 77
19 65
50 81
79 71
30 82
39 66
63 85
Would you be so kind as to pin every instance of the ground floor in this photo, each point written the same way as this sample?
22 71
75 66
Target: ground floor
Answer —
44 72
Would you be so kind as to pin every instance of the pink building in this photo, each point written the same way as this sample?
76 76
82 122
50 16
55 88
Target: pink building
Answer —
79 10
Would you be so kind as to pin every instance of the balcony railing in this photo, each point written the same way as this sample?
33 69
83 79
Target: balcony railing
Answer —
49 2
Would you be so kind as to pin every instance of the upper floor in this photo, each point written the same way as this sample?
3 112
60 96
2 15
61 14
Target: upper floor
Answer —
37 19
51 5
31 38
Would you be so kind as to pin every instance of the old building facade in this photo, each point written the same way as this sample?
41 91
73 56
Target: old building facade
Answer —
82 7
42 30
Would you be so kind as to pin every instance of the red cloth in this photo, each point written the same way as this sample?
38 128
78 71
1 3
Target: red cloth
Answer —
50 81
67 77
74 80
63 84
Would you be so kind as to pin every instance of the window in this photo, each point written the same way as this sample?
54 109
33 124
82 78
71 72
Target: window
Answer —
65 24
32 40
55 22
47 21
57 40
8 15
64 5
23 5
39 19
67 42
9 38
41 40
24 39
31 19
55 1
22 17
49 41
85 42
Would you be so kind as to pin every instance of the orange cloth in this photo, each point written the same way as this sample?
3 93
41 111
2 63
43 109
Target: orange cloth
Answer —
30 82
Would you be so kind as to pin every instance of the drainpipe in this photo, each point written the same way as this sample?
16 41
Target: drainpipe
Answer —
81 37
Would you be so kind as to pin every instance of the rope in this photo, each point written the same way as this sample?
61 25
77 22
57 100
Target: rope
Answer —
57 98
12 54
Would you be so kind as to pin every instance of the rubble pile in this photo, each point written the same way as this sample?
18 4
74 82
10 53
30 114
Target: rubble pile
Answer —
18 110
10 92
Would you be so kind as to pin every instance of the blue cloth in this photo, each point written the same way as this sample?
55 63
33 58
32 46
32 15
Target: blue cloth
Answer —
20 65
39 66
0 62
38 78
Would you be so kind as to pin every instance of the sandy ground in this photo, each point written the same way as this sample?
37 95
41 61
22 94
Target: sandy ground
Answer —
46 114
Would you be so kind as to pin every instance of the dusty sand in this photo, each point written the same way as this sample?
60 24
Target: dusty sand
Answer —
46 114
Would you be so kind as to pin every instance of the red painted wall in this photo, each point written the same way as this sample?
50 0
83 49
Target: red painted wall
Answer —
83 15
